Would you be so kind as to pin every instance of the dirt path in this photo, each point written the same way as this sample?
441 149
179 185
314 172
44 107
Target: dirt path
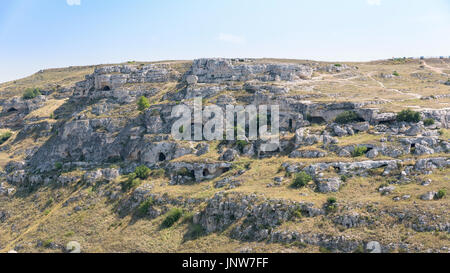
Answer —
370 75
434 69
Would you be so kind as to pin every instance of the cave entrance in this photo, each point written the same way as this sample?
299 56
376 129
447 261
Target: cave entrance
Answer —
317 120
206 172
12 109
106 88
161 157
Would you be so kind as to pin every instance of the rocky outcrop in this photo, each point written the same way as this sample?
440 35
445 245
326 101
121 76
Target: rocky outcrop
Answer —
184 172
21 105
225 70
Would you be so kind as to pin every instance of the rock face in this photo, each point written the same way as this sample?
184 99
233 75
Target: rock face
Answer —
114 77
224 70
258 217
328 185
182 173
21 105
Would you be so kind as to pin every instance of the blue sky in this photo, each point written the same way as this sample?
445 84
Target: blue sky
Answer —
39 34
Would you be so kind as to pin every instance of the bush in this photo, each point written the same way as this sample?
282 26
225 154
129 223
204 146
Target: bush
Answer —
395 73
301 180
428 122
347 117
408 116
31 93
142 172
359 151
441 194
331 204
143 103
58 166
241 145
144 206
331 201
172 217
4 137
132 182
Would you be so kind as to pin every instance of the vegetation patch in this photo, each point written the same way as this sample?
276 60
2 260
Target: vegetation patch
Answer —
31 93
409 115
142 172
143 103
4 137
359 151
348 117
428 122
172 217
145 206
301 180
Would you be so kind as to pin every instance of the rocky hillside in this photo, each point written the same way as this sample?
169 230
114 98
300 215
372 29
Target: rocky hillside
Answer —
362 164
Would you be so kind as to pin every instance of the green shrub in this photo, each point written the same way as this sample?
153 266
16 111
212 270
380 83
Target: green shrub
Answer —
241 145
31 93
4 137
301 180
331 201
143 103
144 206
395 73
172 217
441 194
347 117
142 172
331 204
359 151
338 65
428 122
408 116
131 182
58 166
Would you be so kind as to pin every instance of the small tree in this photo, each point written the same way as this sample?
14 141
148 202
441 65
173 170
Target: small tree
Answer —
409 115
143 103
142 172
31 93
172 217
359 151
144 207
301 180
441 194
428 122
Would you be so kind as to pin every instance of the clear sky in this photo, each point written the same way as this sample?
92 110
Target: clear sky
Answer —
38 34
